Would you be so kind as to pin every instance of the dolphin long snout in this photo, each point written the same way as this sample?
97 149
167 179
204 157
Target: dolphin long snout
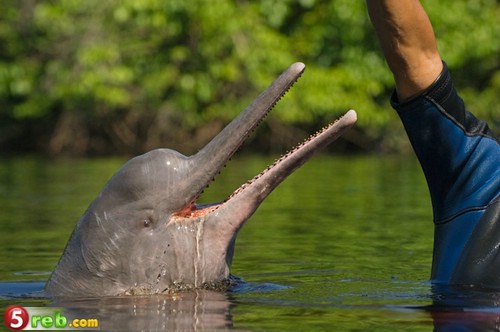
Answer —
211 158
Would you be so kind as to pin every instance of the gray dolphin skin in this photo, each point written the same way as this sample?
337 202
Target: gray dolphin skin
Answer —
145 234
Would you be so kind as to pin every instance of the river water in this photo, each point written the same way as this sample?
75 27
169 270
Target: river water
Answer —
344 244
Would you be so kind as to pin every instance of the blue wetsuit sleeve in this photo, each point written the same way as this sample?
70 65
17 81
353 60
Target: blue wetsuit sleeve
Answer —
460 158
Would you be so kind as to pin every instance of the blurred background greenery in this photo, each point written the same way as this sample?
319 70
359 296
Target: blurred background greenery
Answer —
100 77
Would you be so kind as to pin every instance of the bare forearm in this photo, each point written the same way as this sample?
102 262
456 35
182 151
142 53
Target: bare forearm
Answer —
407 40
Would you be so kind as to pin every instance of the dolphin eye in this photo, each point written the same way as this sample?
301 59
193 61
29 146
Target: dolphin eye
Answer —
147 223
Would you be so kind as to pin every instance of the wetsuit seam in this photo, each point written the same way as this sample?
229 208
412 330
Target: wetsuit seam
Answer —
458 123
462 212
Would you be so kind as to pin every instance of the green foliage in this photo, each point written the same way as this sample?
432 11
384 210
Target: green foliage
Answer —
135 73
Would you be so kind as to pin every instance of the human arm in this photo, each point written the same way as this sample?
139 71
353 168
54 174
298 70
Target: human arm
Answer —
408 43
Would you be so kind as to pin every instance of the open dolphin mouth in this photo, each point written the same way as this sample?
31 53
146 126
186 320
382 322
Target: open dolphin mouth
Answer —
274 174
217 153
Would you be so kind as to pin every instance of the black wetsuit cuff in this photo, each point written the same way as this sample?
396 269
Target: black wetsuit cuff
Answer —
436 90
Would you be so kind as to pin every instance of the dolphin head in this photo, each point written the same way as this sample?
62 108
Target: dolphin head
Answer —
146 234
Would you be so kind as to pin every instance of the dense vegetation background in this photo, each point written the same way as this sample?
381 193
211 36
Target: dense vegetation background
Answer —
124 76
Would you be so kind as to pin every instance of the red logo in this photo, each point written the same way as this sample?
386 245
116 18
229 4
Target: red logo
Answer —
16 317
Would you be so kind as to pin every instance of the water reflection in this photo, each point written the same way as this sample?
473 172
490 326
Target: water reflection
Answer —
460 308
189 311
452 308
199 310
207 310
